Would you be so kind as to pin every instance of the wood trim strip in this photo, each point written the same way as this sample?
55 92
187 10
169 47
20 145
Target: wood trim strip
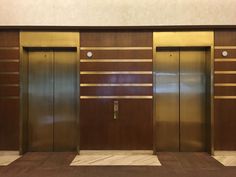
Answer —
115 48
9 85
225 59
115 60
116 97
9 61
225 97
9 97
116 72
225 47
9 48
114 85
225 84
225 72
15 73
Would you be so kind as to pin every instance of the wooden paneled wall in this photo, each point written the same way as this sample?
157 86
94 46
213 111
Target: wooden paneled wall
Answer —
120 69
225 91
9 90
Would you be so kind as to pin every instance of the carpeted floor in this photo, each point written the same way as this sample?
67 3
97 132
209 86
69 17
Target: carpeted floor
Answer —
57 164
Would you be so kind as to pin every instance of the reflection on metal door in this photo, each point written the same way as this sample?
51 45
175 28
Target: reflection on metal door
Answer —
52 100
180 96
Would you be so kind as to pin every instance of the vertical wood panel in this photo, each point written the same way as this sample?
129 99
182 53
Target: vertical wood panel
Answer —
133 127
9 102
224 109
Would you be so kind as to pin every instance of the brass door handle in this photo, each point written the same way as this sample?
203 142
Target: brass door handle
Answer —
116 109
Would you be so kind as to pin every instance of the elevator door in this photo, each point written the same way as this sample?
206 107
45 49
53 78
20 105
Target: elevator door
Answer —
180 96
51 100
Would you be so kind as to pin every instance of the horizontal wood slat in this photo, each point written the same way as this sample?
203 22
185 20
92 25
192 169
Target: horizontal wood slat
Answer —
9 67
117 54
6 91
115 39
116 78
225 91
118 91
9 38
225 66
225 38
116 67
231 53
227 78
9 54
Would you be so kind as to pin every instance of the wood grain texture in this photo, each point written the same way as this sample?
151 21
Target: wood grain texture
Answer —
9 78
9 67
118 54
8 91
127 66
9 38
225 78
9 54
231 53
225 124
225 38
116 38
131 130
225 66
115 78
9 108
9 124
117 90
225 91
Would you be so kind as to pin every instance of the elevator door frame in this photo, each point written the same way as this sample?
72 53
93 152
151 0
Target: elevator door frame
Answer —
49 40
201 39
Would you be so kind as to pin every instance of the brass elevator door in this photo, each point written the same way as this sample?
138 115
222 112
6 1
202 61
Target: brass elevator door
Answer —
180 99
51 99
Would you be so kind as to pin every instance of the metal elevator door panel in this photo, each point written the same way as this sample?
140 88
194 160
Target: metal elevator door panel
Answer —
192 100
167 99
40 100
180 96
65 100
52 99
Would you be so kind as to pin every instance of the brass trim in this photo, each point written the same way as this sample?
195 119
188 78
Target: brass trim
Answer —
225 47
15 73
116 97
116 72
9 61
225 84
225 97
115 85
9 48
189 39
225 60
49 39
9 97
225 72
40 39
115 48
9 85
115 60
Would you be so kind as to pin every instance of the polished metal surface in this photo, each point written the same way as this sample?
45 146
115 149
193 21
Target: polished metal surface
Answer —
166 104
40 100
52 100
180 93
192 100
116 109
47 40
199 39
65 100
